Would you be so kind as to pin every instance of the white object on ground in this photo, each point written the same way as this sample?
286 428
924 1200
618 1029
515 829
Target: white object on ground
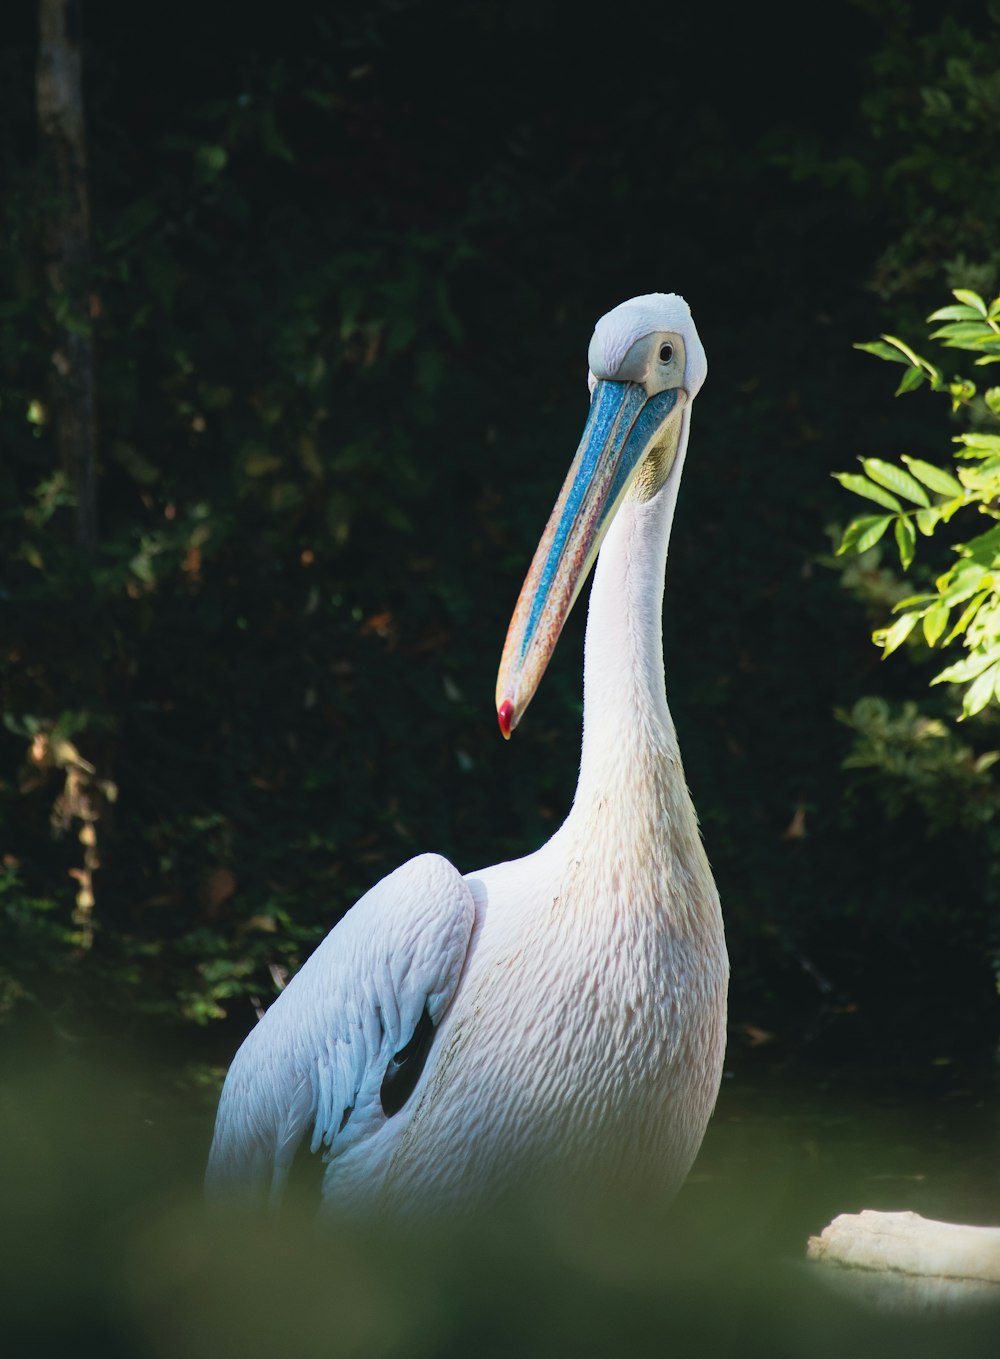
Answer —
904 1262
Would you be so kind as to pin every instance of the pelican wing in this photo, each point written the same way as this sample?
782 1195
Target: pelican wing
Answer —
318 1058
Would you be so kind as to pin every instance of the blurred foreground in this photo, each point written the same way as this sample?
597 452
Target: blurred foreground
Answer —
107 1250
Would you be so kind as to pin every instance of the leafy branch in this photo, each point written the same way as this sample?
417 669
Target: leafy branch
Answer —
964 605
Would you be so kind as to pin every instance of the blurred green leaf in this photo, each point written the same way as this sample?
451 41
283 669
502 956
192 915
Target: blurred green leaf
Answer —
864 533
935 620
892 637
980 691
970 299
953 313
968 667
906 537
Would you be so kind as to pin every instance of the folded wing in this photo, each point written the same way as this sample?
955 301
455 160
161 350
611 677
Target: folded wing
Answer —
345 1041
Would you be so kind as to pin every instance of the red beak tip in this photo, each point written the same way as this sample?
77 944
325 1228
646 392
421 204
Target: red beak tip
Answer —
505 716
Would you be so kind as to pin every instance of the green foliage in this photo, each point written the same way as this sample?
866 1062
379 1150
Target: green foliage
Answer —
964 606
909 757
922 152
913 758
340 294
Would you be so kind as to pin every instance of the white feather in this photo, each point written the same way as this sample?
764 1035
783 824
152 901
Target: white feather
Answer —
322 1048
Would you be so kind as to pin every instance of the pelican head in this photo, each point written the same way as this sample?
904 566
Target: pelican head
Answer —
646 367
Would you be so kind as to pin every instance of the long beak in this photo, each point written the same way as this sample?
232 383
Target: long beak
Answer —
620 428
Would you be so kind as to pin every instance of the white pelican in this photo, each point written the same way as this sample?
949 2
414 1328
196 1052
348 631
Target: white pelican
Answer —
565 1012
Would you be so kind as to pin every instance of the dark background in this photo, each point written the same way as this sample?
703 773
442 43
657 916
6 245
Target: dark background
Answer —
345 263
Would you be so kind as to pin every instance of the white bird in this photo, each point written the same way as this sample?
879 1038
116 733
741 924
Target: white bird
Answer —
456 1036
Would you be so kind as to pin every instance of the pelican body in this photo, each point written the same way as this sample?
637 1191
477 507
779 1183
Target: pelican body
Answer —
558 1015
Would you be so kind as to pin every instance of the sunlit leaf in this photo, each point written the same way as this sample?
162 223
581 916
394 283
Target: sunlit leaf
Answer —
984 549
961 334
934 622
895 479
970 299
913 357
961 582
936 478
961 393
851 481
906 538
966 616
881 350
980 691
911 600
968 667
896 634
953 313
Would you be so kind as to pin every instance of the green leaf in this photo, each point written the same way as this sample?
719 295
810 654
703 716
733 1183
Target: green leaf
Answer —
927 520
951 507
984 549
961 393
968 614
989 443
863 533
970 299
881 350
992 398
962 334
862 486
895 635
910 381
967 668
913 357
935 621
953 313
962 581
980 692
936 478
895 479
906 540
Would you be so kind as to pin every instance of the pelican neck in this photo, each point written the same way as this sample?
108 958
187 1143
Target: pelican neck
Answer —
625 714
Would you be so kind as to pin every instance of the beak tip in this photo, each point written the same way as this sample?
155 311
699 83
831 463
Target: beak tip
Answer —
505 717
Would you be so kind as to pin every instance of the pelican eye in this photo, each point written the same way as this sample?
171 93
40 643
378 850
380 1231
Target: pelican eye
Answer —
666 353
403 1071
